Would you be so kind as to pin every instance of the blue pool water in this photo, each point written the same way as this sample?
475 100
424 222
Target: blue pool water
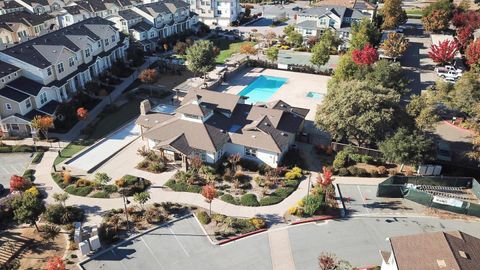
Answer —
262 89
315 95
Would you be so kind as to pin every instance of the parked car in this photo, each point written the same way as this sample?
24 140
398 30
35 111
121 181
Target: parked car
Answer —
450 80
447 73
444 152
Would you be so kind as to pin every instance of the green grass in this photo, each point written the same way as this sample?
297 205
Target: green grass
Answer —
68 152
112 121
417 12
227 48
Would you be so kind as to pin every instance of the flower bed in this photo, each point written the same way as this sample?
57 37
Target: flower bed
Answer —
152 162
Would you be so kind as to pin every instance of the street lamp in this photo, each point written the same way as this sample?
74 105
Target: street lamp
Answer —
125 202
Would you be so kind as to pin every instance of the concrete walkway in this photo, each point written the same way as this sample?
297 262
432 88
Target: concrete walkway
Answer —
95 207
280 250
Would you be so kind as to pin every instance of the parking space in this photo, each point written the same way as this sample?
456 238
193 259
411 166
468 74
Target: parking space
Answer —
182 245
13 163
362 200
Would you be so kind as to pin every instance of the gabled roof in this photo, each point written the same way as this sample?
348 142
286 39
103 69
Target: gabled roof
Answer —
194 108
13 94
167 6
438 250
6 69
26 85
223 101
28 51
129 14
141 27
23 17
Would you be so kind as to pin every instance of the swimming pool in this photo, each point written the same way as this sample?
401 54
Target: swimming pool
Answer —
262 88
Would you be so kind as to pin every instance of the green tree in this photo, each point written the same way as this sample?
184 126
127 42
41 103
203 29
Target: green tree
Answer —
364 32
201 57
295 38
288 29
102 178
358 111
141 198
49 232
320 54
395 45
437 15
346 69
423 109
272 54
386 74
27 208
331 40
393 14
407 147
466 93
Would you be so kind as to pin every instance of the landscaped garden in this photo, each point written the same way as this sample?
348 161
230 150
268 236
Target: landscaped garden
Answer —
228 48
239 181
99 187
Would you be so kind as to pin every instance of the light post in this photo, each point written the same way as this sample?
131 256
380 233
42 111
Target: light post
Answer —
125 202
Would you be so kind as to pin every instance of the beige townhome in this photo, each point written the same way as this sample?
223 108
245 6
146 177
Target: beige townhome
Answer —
19 26
211 124
54 67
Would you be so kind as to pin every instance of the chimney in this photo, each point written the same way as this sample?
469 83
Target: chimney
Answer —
145 107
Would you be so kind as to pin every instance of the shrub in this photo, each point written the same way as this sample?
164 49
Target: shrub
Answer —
34 191
110 188
292 210
352 170
249 165
83 183
229 199
23 148
367 159
29 175
204 218
120 183
143 164
408 171
382 170
240 176
249 200
362 172
101 194
355 157
58 214
156 167
283 192
264 168
340 160
219 218
291 183
38 157
312 204
392 172
67 178
154 215
269 200
258 223
343 172
79 191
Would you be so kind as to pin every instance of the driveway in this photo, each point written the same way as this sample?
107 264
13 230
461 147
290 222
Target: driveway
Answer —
182 245
13 163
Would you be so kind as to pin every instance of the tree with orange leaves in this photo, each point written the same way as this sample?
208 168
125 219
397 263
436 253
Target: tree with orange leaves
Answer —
42 124
55 263
325 179
248 49
82 113
209 192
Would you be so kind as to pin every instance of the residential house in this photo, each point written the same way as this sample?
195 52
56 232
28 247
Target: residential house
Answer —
10 6
19 26
55 66
41 6
83 9
149 23
454 250
314 21
216 12
211 124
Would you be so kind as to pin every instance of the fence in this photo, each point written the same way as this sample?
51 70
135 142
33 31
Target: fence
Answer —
337 147
395 187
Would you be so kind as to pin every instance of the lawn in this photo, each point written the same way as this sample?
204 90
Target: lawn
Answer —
416 12
68 152
227 48
114 120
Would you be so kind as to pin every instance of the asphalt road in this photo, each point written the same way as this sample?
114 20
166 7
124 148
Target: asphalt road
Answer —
183 245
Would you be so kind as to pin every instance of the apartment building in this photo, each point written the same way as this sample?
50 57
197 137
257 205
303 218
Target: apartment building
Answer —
216 12
149 23
19 26
10 6
40 73
41 6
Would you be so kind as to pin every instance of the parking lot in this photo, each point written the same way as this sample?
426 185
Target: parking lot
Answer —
13 163
362 200
183 245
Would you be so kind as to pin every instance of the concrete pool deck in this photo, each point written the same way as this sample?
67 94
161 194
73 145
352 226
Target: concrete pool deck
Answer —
294 91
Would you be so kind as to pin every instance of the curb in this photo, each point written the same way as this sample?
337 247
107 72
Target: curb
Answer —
321 218
203 229
240 237
461 128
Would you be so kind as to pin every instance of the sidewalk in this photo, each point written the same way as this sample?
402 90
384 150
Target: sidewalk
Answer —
95 207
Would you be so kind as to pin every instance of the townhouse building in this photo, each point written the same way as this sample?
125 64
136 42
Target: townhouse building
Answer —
41 6
149 23
216 12
83 9
314 21
19 26
43 72
10 6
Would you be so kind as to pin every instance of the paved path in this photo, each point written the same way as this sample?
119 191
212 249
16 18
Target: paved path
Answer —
95 207
280 250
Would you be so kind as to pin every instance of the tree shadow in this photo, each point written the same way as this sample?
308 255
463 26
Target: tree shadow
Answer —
272 219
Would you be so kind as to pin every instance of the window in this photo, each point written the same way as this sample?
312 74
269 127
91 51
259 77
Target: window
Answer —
113 38
106 42
14 127
87 52
308 32
49 71
60 68
252 152
9 77
71 62
8 106
219 12
28 103
99 43
3 80
202 155
43 98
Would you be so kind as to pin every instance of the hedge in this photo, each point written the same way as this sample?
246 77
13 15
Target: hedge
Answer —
229 199
79 191
21 148
249 200
101 194
269 200
38 157
29 175
183 187
204 218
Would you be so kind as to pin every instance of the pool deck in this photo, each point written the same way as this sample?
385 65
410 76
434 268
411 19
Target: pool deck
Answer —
294 91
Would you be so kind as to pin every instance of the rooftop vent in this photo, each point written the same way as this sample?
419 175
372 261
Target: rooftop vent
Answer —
282 105
253 136
146 119
463 254
441 264
283 133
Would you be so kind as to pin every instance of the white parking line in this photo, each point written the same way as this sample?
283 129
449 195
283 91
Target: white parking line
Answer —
363 199
5 170
180 243
151 252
